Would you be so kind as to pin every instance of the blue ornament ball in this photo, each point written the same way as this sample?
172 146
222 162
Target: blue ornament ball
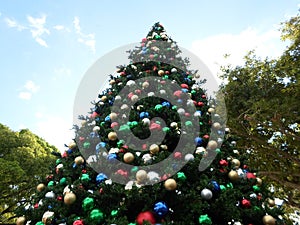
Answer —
198 141
100 178
161 209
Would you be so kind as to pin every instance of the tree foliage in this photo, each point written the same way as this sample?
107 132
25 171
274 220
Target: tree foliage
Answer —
24 157
262 98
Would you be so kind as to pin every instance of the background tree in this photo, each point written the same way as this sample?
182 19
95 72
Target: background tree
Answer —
24 158
77 192
262 98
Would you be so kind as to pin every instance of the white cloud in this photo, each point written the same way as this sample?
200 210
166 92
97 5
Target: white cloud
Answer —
212 49
25 95
37 29
28 89
31 86
59 27
12 23
86 39
55 129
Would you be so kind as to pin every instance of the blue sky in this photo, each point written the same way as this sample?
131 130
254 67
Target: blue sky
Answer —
47 46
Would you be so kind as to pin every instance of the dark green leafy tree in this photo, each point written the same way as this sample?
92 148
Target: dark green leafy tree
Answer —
24 159
262 99
114 182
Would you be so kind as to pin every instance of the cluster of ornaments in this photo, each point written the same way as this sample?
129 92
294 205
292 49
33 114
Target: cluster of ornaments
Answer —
99 139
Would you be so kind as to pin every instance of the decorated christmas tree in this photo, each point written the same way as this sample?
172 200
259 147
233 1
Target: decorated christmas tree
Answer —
153 150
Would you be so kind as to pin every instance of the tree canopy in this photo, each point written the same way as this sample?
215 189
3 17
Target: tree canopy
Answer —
24 157
262 99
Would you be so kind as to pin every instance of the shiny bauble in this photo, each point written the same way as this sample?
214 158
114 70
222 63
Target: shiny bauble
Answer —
145 217
48 217
96 128
145 85
258 181
154 148
79 160
113 116
112 136
40 187
72 145
146 121
161 72
271 202
21 220
216 126
141 176
233 176
269 220
236 163
206 194
189 157
173 70
212 145
50 194
211 110
174 125
128 157
170 184
69 198
134 98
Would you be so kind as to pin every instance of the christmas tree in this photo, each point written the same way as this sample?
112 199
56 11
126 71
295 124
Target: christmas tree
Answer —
154 150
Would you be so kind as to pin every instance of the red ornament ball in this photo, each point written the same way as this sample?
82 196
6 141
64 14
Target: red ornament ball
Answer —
145 216
246 203
78 222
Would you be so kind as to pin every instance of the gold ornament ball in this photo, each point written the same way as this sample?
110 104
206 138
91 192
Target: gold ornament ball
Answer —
217 126
69 198
72 145
233 175
269 220
112 136
134 98
161 72
103 98
236 163
111 82
128 157
154 148
211 110
212 145
258 181
21 220
113 116
145 84
141 176
40 187
79 160
170 184
271 202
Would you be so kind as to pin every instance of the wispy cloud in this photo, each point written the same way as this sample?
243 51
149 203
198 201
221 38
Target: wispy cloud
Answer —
12 23
25 95
36 26
38 29
59 27
28 89
212 49
86 39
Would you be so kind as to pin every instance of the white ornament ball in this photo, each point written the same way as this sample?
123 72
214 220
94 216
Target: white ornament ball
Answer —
145 84
146 121
162 92
189 157
118 98
173 70
211 110
124 107
147 158
151 94
112 116
47 217
50 194
174 125
181 111
206 194
153 177
130 83
96 128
